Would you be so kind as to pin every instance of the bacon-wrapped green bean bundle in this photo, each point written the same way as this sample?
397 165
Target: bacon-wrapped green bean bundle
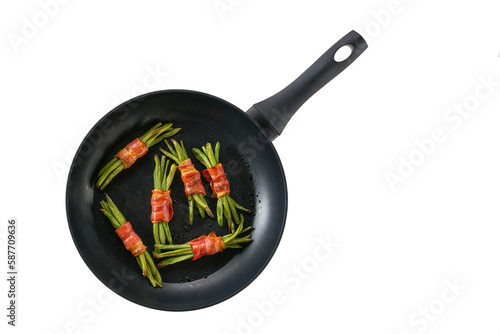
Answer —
161 202
131 241
214 174
137 148
199 247
193 187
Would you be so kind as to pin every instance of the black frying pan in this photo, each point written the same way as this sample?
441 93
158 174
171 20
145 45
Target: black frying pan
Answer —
251 163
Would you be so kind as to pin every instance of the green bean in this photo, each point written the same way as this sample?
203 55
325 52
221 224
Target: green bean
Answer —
156 172
171 149
173 260
170 155
164 172
183 150
217 149
210 155
155 233
178 252
246 229
143 263
235 246
202 202
190 202
200 209
162 169
170 176
237 206
227 213
220 218
171 133
161 233
170 247
233 209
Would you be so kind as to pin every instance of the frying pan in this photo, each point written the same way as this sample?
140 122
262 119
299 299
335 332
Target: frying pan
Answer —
251 163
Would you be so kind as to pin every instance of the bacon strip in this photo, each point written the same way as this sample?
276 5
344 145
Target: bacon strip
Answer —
191 178
134 150
218 180
206 245
130 239
161 206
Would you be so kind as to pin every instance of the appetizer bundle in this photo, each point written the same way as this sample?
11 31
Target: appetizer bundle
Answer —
199 247
214 174
131 241
193 187
161 202
133 151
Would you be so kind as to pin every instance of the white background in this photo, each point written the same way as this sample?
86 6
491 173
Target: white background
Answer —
399 248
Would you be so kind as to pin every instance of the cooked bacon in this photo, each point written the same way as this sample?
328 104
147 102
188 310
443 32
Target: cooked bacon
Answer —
191 178
206 245
134 150
130 239
161 206
218 180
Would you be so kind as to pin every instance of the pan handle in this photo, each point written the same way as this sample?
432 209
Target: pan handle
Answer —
274 113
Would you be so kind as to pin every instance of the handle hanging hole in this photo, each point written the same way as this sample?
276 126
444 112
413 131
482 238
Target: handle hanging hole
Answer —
343 53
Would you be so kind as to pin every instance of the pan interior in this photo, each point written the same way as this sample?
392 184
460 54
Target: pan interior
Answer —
254 172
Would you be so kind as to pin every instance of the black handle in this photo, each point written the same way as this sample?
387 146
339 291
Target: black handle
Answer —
274 113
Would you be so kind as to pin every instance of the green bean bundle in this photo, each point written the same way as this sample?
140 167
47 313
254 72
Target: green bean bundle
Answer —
161 202
131 241
214 174
191 177
199 247
134 150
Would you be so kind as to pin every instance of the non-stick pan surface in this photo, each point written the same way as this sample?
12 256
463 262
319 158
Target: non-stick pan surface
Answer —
257 182
250 161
